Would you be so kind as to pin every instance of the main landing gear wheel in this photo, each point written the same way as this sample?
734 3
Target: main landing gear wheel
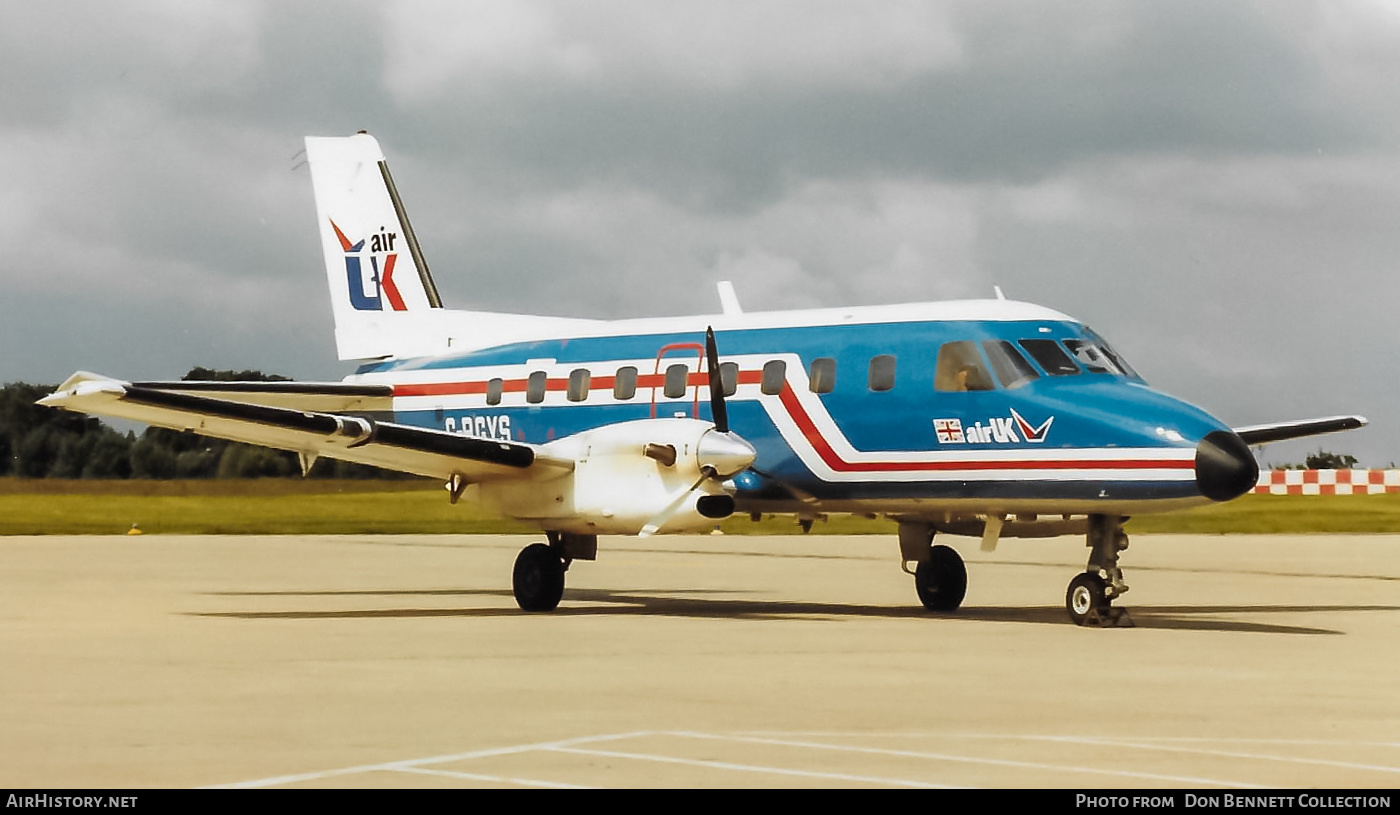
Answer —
941 580
538 578
1087 599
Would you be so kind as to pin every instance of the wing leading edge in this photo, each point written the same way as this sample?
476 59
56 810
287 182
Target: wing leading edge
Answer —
310 434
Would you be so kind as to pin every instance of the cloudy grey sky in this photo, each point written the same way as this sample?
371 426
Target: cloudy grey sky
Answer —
1214 186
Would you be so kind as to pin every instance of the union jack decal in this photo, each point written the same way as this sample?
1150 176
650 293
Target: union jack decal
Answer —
949 431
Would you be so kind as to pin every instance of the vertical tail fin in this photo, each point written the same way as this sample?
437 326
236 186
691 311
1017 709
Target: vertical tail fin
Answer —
384 301
374 266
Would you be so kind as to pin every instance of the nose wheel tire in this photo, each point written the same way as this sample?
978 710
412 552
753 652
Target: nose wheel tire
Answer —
941 580
538 579
1087 599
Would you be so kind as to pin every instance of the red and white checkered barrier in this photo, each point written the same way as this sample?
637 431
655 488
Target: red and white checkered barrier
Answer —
1327 482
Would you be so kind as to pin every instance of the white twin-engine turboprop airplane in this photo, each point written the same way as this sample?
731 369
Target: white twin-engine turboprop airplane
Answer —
986 418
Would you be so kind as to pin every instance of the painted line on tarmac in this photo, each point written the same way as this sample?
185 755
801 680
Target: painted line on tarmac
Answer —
579 746
751 768
1225 753
1031 765
494 779
410 765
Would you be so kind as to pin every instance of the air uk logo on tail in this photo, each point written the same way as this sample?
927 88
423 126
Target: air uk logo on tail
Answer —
369 294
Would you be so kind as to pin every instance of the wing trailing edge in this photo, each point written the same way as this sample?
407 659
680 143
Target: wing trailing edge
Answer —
322 397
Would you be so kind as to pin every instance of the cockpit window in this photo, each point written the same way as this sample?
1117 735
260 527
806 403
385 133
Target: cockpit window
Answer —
960 368
1051 357
1113 356
1091 357
1011 368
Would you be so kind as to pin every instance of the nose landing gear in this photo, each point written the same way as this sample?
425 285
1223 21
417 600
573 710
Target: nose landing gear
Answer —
1089 599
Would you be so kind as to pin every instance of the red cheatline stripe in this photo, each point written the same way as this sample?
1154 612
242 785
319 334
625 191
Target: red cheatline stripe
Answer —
441 389
555 384
809 429
835 462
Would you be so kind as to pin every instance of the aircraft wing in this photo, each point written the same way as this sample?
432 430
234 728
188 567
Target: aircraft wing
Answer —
310 434
323 397
1282 431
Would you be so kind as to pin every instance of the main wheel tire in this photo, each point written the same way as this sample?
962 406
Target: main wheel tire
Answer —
538 579
941 580
1087 598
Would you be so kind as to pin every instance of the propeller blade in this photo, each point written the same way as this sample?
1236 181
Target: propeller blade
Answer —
720 454
654 525
801 495
717 407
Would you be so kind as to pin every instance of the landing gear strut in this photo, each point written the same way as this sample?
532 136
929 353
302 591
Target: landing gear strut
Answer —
1090 596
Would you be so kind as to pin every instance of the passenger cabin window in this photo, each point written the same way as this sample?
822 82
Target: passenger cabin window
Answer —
823 378
881 376
578 384
535 387
676 376
625 383
1051 357
729 377
1011 368
960 368
493 391
774 375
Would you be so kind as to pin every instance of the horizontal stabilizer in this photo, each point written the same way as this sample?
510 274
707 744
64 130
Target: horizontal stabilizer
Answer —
422 451
1282 431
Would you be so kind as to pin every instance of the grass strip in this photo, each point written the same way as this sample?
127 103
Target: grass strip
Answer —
301 507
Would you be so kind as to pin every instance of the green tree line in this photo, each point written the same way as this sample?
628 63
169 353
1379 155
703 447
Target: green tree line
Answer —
41 442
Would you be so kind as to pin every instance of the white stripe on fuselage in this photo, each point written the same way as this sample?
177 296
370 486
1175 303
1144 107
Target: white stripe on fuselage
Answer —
843 463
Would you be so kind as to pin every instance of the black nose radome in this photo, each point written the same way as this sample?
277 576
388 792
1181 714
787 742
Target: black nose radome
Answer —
1225 468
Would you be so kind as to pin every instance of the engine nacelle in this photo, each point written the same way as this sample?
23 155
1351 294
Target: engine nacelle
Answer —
628 474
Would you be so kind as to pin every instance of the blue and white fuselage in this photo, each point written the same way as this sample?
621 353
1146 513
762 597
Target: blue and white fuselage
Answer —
846 409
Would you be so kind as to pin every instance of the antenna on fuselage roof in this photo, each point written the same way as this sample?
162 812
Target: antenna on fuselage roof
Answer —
728 300
997 289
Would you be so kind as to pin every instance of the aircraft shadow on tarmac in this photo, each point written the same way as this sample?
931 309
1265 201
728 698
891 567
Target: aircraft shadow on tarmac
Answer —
666 603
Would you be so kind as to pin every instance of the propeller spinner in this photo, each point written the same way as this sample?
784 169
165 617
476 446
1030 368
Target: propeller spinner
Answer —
721 453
